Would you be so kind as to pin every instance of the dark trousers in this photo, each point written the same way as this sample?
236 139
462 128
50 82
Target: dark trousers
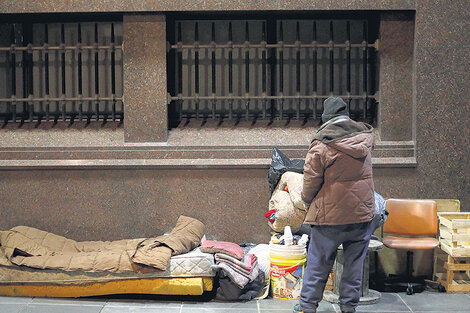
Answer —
324 242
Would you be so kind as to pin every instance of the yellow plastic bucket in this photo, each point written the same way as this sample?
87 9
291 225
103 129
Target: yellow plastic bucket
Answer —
287 275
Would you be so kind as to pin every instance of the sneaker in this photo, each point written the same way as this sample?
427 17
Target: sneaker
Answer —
297 309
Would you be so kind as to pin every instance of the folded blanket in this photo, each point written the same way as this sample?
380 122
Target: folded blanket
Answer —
226 247
244 266
240 272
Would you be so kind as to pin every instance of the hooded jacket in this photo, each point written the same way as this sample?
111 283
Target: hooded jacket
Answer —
338 180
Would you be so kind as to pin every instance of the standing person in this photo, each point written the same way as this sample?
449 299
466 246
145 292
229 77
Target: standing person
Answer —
339 192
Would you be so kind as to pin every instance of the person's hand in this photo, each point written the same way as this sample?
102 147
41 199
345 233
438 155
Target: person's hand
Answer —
306 204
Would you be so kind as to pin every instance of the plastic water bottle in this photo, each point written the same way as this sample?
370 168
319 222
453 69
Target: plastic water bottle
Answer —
288 238
303 240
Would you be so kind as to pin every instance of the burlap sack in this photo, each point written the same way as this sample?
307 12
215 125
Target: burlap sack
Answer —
286 213
294 183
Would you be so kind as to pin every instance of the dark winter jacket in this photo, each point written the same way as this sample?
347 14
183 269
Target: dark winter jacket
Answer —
338 174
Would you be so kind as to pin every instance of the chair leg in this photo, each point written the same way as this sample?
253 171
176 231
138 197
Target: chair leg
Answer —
409 265
409 272
405 282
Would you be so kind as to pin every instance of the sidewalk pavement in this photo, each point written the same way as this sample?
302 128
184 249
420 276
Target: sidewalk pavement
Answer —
426 302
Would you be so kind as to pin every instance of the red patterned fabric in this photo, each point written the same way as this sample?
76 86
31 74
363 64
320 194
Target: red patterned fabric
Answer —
229 248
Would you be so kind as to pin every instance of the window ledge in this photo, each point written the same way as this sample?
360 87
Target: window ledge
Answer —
211 146
169 163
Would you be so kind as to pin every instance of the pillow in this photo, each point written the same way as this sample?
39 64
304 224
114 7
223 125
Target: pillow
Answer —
229 248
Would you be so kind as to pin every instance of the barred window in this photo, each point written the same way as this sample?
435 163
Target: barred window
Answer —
271 69
61 71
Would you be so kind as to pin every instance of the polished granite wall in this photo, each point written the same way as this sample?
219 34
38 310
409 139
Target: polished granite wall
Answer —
441 107
423 143
115 204
48 6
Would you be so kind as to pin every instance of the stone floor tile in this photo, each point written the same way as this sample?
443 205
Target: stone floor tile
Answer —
139 309
142 303
54 308
222 305
188 309
11 307
436 301
389 302
321 309
69 301
282 304
426 302
15 300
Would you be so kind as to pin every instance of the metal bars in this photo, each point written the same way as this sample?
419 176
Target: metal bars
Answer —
319 58
65 68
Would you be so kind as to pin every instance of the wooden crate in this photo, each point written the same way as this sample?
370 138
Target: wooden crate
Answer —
447 205
330 282
456 276
440 257
454 233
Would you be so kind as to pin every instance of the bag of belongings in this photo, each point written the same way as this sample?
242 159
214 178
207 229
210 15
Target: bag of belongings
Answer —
286 207
280 164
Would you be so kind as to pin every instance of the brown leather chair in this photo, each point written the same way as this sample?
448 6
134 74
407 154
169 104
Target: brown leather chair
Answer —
417 220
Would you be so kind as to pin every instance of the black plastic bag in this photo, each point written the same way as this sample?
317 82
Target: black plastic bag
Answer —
281 164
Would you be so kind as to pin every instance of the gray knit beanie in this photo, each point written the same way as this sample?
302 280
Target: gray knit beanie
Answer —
333 107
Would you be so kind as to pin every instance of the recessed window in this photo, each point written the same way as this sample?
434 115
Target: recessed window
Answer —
271 69
61 71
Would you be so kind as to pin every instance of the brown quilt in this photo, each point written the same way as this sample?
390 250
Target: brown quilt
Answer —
31 247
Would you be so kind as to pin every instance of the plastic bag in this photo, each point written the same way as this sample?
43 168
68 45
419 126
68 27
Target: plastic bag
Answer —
281 164
381 212
262 253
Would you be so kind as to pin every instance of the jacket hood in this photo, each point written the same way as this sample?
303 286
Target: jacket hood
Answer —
334 107
357 146
350 137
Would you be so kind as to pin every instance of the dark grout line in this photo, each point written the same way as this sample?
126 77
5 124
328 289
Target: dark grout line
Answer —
336 308
398 295
104 305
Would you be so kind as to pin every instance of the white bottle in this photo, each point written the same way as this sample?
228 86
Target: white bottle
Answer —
288 238
303 240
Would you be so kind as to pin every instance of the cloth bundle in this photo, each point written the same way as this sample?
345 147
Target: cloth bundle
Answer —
286 207
228 291
240 272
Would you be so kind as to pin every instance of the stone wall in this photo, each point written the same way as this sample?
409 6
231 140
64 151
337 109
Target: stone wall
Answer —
127 181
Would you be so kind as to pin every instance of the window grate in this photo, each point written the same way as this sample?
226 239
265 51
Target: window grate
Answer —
61 71
271 69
